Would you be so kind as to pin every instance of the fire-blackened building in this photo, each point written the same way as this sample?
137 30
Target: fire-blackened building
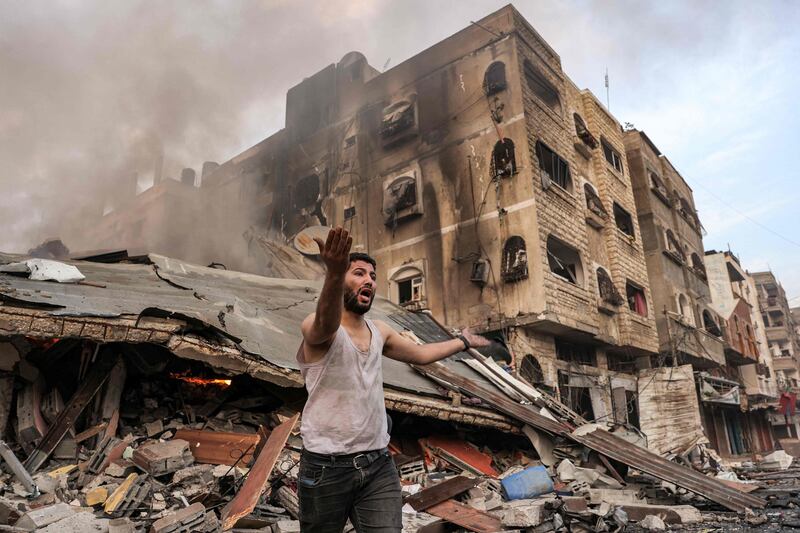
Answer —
491 190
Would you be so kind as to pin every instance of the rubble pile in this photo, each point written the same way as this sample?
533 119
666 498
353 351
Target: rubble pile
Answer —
145 442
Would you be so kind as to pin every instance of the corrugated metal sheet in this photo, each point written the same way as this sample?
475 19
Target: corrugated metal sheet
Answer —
669 413
262 315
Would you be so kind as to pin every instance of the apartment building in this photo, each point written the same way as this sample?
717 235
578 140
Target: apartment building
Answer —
743 426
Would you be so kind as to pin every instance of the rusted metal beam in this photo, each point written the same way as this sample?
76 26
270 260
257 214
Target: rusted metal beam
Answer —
86 390
246 499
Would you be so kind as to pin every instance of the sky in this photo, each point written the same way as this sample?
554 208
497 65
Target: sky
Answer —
89 91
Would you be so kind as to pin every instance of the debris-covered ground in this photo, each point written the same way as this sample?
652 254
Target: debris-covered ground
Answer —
187 450
156 421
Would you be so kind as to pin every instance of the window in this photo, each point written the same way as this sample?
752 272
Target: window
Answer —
554 168
306 193
409 290
623 220
593 202
608 292
494 80
541 87
531 371
710 325
564 261
697 265
583 132
574 352
401 199
685 309
397 117
636 300
674 247
612 156
515 259
503 161
409 286
658 187
687 212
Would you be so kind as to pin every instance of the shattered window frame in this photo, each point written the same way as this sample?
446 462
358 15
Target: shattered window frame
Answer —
593 201
624 220
608 291
514 266
569 269
397 117
582 131
504 165
554 166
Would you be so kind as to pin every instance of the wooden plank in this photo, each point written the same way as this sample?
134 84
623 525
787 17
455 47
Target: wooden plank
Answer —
218 447
97 375
246 499
440 492
466 517
91 432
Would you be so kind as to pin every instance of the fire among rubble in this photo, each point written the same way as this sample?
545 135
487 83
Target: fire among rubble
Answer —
202 381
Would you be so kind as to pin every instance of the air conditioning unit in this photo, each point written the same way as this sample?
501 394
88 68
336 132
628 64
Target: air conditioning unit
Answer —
480 272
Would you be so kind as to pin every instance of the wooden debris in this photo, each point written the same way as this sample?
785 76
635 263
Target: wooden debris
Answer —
245 501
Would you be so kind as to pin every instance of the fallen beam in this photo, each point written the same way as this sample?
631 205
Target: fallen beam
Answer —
602 442
246 499
86 390
440 492
466 517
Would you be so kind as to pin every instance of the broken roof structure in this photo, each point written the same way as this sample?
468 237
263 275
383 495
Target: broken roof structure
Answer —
243 323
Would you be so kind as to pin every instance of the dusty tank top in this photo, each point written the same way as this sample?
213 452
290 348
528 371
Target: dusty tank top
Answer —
345 412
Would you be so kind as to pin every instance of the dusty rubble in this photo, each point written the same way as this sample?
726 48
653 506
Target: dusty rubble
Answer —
163 445
126 435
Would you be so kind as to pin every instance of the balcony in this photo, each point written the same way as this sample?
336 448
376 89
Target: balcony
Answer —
777 334
696 346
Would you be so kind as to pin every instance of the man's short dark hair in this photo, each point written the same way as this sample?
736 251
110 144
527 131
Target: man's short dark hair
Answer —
360 256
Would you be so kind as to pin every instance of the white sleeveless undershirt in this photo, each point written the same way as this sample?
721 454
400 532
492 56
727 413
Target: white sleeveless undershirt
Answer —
345 411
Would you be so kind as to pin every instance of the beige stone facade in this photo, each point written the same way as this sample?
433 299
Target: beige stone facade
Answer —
689 329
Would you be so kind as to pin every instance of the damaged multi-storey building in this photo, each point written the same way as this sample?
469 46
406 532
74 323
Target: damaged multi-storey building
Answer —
784 344
493 192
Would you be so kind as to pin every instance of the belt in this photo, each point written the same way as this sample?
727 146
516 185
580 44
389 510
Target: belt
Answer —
356 460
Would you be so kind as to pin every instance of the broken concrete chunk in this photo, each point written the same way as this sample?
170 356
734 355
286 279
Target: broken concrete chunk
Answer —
652 523
119 468
190 519
44 516
286 526
96 496
78 523
159 458
120 525
154 428
670 514
525 513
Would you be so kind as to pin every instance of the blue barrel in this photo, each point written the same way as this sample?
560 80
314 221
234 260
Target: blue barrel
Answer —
529 483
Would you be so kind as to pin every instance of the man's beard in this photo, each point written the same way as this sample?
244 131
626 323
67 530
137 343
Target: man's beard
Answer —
352 304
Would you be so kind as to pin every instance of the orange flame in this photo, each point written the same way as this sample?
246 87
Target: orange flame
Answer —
202 381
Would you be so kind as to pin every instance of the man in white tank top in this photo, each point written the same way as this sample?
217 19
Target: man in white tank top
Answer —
345 469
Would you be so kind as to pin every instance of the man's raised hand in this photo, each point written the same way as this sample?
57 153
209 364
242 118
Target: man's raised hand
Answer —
335 251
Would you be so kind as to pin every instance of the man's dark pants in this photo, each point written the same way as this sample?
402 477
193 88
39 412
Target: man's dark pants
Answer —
363 487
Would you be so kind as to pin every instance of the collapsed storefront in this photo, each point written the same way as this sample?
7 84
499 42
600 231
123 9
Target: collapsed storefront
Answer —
120 368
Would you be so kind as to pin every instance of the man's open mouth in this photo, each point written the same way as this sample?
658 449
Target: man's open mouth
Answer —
365 295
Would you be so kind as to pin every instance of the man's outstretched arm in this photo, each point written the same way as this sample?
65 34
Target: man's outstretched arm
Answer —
320 327
403 349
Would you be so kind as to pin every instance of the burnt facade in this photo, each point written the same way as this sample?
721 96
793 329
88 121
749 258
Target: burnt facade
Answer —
490 189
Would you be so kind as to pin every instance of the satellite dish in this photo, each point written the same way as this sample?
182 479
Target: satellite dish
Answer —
305 243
